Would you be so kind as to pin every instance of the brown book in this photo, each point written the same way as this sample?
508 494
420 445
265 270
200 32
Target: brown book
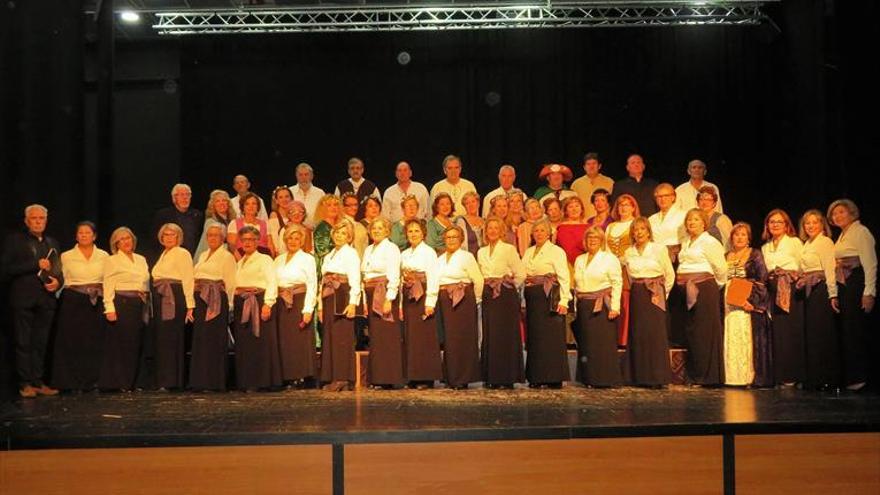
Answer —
738 292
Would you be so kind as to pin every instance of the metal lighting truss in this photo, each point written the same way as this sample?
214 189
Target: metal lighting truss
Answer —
413 17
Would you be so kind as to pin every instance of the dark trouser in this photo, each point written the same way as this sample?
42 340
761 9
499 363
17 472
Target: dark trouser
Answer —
31 325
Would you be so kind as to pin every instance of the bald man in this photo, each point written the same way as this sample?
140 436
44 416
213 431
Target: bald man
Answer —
405 186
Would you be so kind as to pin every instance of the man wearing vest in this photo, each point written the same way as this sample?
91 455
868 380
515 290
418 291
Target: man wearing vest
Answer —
356 183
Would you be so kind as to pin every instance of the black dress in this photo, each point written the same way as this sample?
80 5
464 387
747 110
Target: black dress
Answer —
789 353
648 347
598 364
703 330
208 366
170 336
820 337
546 358
122 345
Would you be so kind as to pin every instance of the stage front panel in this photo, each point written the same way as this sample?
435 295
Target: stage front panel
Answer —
301 469
678 465
802 464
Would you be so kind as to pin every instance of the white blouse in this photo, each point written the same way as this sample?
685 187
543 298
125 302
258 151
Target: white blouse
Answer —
501 260
619 228
423 258
176 263
550 259
652 262
383 260
258 270
461 266
122 273
345 261
818 255
79 270
668 229
858 241
703 255
785 255
218 266
276 231
602 272
301 269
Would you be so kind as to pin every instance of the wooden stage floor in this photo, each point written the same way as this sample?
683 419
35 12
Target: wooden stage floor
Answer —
475 441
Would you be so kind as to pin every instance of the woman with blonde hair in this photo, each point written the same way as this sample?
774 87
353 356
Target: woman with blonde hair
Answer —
471 222
328 214
218 211
297 275
856 276
702 270
597 285
173 286
126 306
651 278
503 275
340 297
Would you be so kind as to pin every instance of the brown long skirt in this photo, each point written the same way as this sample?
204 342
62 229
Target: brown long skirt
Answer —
337 342
296 345
421 343
386 346
461 359
502 353
256 358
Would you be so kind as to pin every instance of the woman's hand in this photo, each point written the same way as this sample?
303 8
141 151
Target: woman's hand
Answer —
868 303
748 307
111 316
349 311
429 312
265 312
306 319
835 304
189 315
386 307
613 314
562 309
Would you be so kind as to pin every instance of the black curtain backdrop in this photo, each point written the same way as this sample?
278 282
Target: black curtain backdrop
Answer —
783 113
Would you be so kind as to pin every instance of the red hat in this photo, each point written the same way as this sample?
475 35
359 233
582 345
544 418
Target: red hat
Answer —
552 168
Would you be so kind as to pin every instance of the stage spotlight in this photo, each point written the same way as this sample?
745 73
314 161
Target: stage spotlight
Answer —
130 17
403 58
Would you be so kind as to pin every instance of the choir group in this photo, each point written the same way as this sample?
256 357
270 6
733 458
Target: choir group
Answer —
448 287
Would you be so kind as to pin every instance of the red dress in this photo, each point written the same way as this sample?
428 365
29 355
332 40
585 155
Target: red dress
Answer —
570 237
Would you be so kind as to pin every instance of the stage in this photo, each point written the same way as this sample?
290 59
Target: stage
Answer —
682 440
